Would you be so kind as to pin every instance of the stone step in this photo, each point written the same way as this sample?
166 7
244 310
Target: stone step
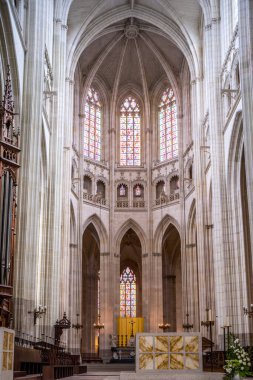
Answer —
19 374
172 376
110 367
37 376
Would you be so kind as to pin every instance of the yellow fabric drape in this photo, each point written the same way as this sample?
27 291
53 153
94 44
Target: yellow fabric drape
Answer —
124 328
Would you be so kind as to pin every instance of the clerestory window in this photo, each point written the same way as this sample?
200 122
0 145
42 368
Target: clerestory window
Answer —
92 126
130 133
168 126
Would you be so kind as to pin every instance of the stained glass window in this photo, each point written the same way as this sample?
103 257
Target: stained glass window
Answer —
128 293
122 191
168 126
130 130
137 191
92 126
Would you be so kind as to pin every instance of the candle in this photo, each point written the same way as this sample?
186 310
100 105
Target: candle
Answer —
226 321
209 315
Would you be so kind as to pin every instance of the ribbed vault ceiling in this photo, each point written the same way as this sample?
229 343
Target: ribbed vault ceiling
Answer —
137 52
150 47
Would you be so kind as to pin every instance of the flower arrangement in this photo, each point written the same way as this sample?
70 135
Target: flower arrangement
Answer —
237 359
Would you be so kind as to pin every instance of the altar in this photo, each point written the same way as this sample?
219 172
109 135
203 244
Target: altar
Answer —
169 352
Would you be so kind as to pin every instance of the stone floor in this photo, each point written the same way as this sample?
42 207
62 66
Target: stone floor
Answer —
134 376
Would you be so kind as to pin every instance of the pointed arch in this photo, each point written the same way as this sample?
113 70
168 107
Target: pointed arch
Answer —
179 38
131 223
100 229
160 230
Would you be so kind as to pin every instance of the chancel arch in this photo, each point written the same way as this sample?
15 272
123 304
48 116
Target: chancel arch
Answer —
131 247
131 224
98 224
164 223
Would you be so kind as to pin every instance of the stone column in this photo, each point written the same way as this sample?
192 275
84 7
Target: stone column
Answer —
169 296
156 300
70 301
27 253
55 261
246 75
221 244
199 182
107 305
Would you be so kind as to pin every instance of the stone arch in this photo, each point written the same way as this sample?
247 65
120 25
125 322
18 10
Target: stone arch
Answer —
161 228
132 91
62 9
100 86
100 229
188 169
127 187
178 37
131 224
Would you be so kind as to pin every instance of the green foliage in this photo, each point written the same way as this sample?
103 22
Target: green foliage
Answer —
237 359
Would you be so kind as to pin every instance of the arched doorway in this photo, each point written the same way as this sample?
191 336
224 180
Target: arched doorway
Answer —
130 257
90 288
172 278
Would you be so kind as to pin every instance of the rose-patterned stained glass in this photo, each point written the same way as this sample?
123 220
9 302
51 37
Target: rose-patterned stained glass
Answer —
130 133
168 125
128 293
92 126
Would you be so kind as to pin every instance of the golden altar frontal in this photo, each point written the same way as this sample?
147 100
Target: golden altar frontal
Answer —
127 326
168 352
